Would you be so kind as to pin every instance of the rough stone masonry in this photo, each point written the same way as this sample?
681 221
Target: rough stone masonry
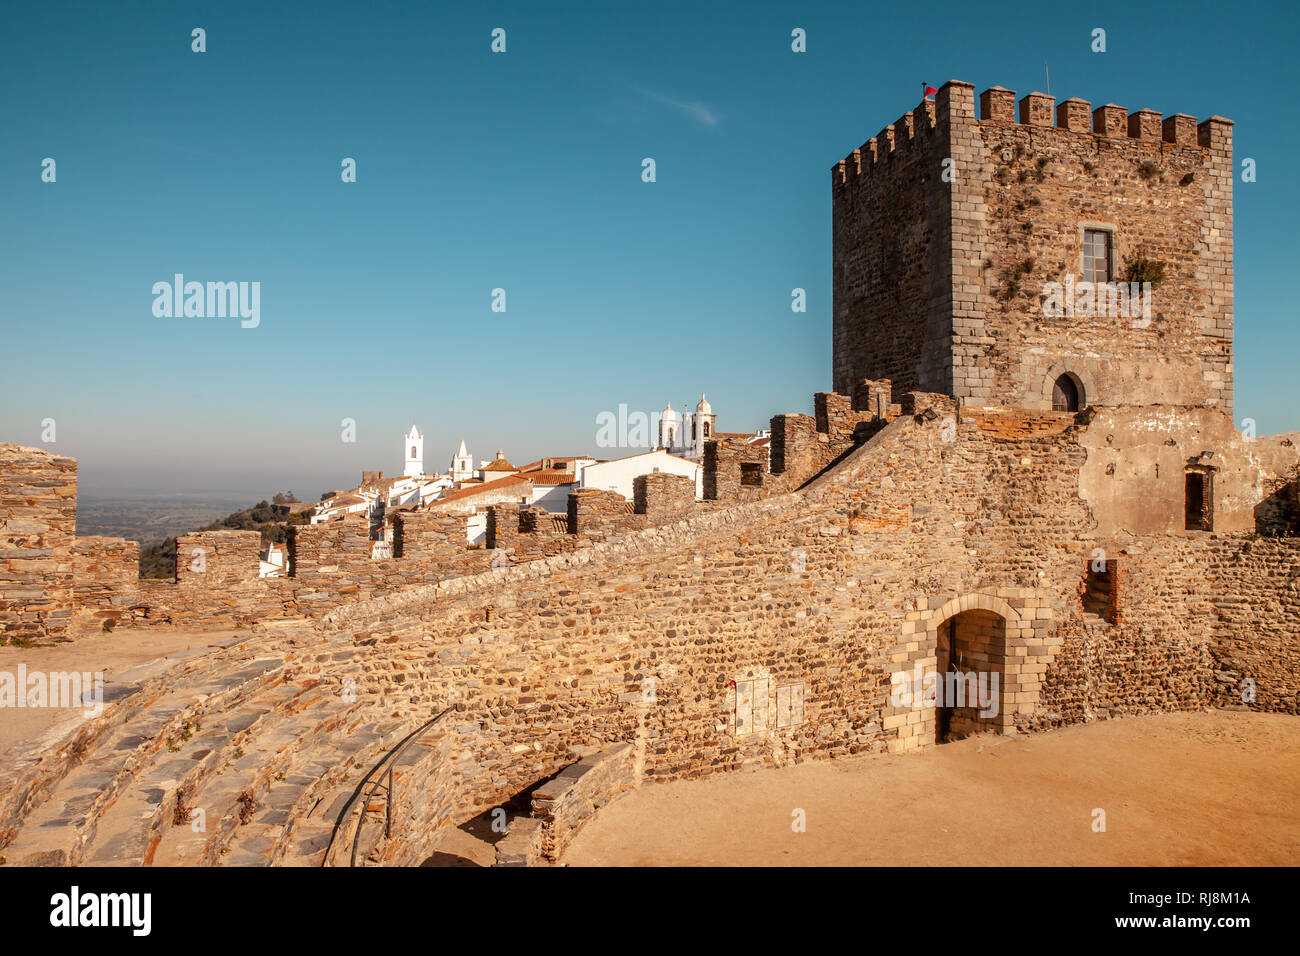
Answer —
935 516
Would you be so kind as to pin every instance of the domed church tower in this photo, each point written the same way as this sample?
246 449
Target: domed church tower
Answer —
670 428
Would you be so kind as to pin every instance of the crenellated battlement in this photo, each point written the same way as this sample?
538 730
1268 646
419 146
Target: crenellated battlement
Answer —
917 126
1109 121
998 105
951 226
57 586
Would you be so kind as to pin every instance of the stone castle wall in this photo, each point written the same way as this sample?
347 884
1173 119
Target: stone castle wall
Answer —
331 561
947 227
663 498
1138 460
208 559
1165 188
54 586
796 614
891 229
562 805
781 630
802 446
769 632
734 470
434 545
38 523
1278 512
596 513
526 534
216 584
1256 598
107 586
1131 477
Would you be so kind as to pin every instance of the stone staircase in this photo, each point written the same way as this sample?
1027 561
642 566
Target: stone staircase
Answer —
238 756
361 817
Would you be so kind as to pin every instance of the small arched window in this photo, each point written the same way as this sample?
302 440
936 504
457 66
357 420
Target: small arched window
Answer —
1065 394
412 451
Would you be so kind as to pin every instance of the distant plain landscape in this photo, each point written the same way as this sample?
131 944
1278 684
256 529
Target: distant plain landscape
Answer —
152 518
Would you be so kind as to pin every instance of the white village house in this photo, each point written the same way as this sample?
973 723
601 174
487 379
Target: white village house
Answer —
546 483
620 473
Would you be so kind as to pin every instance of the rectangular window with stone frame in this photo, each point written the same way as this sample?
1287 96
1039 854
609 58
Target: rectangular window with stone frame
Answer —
1098 246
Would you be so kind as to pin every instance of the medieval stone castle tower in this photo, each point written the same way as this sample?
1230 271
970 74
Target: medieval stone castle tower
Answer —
946 227
1058 505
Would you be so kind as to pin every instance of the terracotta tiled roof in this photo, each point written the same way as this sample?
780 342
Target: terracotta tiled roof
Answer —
551 477
464 494
555 460
499 464
642 454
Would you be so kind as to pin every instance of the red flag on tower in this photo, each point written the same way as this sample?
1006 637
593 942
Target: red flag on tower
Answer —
929 90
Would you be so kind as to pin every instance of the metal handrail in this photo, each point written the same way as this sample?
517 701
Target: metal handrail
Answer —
384 767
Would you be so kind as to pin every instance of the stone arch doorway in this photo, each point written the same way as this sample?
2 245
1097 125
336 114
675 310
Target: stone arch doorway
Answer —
1066 393
970 674
1014 639
1066 388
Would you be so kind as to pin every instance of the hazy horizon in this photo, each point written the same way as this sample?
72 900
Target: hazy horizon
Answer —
519 171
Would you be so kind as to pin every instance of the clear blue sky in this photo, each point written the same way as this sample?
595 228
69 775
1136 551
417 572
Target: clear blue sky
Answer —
519 171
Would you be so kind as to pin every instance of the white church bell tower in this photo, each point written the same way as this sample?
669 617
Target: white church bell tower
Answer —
462 465
414 450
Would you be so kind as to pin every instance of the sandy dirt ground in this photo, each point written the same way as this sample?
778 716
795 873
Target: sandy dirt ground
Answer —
109 654
1218 788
